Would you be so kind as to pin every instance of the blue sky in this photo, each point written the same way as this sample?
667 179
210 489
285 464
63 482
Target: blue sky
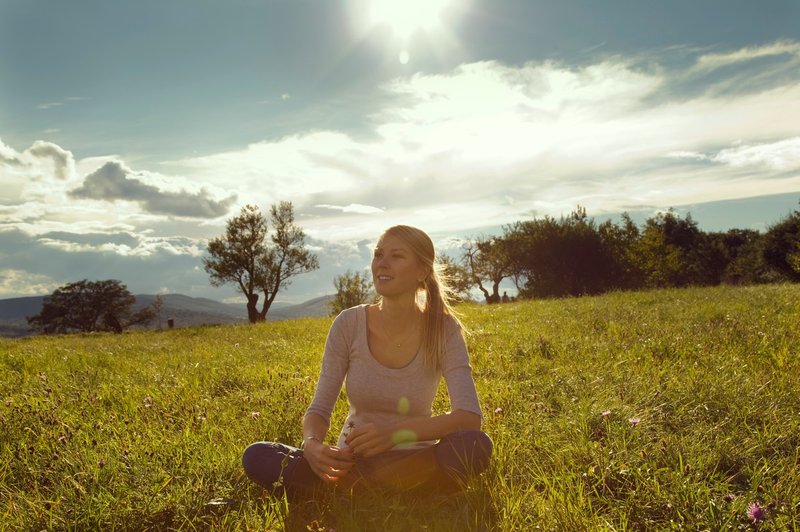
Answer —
130 131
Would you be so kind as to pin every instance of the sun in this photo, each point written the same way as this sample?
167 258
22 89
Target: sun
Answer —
405 17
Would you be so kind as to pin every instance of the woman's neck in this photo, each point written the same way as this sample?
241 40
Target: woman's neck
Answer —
400 310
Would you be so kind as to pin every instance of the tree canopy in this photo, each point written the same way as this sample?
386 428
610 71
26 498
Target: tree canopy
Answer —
351 289
781 248
89 306
572 256
256 260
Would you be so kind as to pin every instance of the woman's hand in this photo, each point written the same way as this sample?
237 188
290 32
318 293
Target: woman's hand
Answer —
369 440
329 463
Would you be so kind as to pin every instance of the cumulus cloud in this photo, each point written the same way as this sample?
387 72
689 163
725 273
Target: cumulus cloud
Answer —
113 181
41 160
63 160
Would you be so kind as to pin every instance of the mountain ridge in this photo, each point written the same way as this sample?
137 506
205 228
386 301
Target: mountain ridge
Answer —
184 311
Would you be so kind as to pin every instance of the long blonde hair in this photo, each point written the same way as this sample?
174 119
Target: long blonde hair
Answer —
436 308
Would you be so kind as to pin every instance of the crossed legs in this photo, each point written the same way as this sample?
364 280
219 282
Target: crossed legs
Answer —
447 465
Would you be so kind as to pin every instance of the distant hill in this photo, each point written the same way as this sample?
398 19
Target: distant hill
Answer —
185 311
313 308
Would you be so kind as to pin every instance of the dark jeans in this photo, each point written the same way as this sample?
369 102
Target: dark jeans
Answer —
282 469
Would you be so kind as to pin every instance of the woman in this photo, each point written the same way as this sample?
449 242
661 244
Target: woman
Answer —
391 356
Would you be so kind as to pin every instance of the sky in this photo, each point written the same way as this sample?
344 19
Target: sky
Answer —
130 132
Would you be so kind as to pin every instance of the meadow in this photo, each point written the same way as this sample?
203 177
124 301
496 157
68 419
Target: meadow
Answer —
661 410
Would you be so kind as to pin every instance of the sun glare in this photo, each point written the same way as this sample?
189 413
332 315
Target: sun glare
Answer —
405 17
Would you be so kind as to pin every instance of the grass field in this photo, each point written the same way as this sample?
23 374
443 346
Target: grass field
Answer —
660 410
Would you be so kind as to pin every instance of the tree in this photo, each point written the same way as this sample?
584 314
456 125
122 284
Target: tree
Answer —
351 289
671 252
781 246
89 306
743 261
560 257
620 243
456 276
487 260
257 261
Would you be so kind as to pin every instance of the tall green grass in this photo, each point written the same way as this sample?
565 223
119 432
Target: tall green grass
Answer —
660 410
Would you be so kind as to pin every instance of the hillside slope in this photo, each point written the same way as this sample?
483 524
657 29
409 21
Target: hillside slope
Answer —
184 311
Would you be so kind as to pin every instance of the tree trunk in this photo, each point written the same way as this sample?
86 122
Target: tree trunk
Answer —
252 311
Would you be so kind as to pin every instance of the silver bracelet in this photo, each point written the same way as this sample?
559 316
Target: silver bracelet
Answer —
303 444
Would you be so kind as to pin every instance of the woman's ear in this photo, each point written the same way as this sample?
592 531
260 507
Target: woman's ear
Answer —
425 272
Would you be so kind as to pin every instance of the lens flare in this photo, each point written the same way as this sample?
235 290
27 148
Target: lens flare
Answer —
403 406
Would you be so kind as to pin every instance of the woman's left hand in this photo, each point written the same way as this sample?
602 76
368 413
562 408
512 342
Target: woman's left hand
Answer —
370 439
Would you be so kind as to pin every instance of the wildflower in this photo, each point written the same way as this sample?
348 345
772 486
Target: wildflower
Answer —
147 401
255 415
606 413
729 497
755 512
498 410
201 418
62 439
634 421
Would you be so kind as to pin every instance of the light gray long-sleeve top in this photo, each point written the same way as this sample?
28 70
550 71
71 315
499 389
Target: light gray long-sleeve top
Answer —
382 395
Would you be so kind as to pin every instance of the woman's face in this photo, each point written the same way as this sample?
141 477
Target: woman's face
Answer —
395 268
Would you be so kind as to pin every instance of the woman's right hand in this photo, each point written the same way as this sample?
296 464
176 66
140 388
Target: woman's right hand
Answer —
329 463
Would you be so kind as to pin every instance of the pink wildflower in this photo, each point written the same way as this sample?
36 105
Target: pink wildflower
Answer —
606 413
634 421
756 512
498 410
255 415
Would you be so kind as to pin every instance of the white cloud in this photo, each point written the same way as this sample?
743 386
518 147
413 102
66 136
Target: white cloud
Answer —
352 208
718 60
19 283
140 246
488 143
782 155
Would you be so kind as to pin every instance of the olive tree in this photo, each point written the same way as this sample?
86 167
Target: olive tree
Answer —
257 260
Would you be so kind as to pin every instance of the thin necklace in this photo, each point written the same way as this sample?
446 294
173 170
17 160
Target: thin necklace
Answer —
397 343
